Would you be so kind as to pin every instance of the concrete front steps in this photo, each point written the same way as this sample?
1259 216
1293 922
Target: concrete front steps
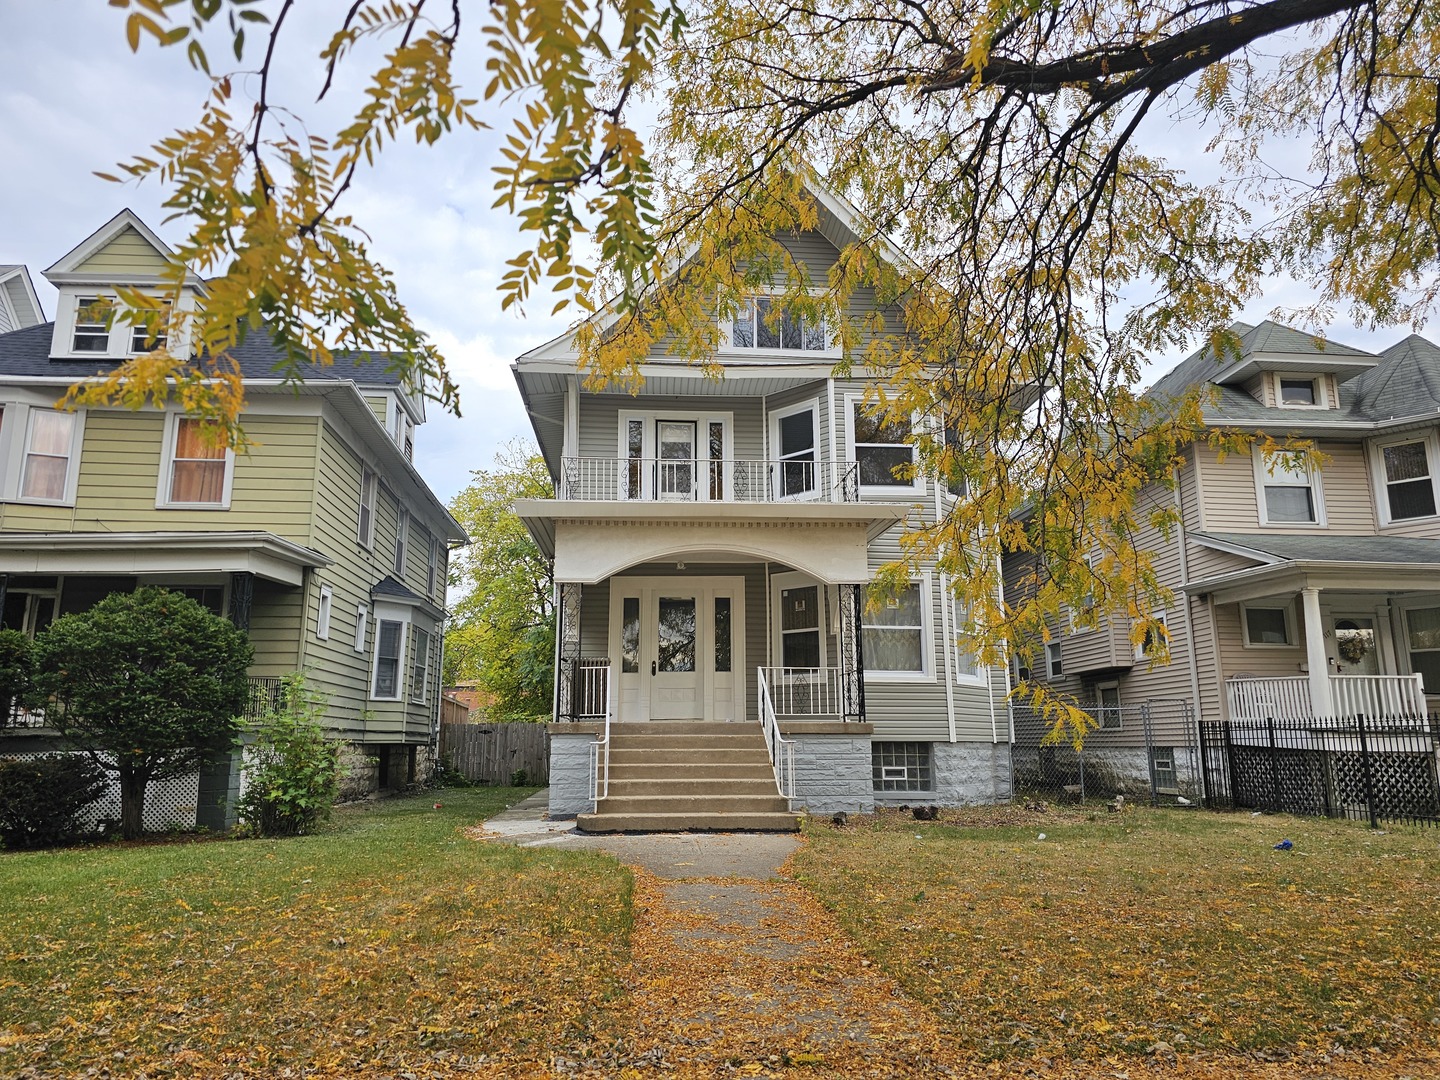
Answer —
689 776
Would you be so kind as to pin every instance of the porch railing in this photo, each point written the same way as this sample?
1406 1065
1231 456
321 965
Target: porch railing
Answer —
267 694
584 687
806 691
709 480
1288 697
781 749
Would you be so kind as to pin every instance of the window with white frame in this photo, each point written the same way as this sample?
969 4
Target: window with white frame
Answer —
142 340
1298 391
1267 626
800 627
389 639
1408 473
322 614
198 467
362 626
795 433
883 450
1156 639
47 472
1082 620
1422 627
368 484
761 322
901 766
1289 493
967 663
419 664
673 456
1107 709
402 537
92 324
1054 660
893 632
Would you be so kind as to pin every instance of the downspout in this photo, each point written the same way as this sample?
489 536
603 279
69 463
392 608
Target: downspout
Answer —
946 643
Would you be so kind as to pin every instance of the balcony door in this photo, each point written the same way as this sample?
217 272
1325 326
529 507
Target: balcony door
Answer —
677 648
674 457
676 464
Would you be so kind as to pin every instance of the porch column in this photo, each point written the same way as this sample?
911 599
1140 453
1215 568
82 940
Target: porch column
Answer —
242 594
568 647
852 658
1321 703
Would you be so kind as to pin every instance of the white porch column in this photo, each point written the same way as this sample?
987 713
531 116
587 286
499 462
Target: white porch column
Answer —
1321 703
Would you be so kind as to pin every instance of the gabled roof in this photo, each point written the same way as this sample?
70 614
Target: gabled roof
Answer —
19 295
69 269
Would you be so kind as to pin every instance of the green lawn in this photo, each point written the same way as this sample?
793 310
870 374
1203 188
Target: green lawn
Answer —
391 939
1159 926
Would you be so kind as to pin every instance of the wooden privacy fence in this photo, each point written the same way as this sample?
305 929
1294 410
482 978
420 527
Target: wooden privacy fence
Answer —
494 753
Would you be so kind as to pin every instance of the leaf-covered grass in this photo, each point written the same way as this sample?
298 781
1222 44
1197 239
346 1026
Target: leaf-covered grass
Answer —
1121 932
391 941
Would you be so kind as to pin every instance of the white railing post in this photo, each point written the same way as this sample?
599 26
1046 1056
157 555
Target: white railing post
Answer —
780 749
703 479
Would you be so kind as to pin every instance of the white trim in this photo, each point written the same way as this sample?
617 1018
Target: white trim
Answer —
1054 660
979 675
796 579
72 466
1381 487
323 610
1316 379
362 626
917 484
927 639
1292 638
1106 710
365 510
165 484
424 697
726 347
1141 653
812 406
400 670
648 419
1271 472
402 539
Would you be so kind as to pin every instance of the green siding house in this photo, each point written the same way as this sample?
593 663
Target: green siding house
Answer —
320 538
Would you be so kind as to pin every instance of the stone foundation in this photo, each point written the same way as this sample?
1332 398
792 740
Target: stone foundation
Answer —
359 772
963 774
832 767
570 769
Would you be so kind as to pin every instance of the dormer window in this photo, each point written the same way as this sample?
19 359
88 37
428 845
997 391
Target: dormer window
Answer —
92 324
141 342
1298 392
761 323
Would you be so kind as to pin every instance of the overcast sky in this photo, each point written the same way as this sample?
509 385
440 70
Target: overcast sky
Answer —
74 99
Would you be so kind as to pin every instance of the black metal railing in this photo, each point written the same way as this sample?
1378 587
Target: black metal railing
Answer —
1366 768
267 694
584 690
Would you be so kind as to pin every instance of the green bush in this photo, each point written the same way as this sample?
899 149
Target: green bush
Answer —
42 799
519 778
293 771
17 674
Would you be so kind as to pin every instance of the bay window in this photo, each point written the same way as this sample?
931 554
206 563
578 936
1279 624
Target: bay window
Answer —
882 448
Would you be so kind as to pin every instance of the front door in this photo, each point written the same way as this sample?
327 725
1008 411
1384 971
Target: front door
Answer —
1353 645
678 645
675 469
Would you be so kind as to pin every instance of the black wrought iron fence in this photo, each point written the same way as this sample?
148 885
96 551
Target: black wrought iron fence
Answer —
1367 768
1144 749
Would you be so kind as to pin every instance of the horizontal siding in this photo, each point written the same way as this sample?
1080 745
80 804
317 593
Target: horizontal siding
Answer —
599 421
1232 504
127 253
276 613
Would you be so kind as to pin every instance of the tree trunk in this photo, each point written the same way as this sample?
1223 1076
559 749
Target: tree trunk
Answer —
132 801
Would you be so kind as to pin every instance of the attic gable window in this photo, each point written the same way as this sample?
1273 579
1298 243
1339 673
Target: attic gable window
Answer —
762 323
92 324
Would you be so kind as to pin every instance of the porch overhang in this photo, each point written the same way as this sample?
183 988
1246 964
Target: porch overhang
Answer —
1293 576
263 554
590 541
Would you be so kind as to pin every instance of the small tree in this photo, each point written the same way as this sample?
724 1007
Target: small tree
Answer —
294 772
17 674
43 800
147 682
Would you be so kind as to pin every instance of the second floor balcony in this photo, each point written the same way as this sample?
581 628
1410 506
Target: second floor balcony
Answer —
690 479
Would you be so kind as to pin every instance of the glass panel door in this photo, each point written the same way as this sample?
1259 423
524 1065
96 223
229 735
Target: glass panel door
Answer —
675 684
675 442
797 454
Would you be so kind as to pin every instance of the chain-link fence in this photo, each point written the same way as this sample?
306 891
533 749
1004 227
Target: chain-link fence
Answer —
1356 767
1142 750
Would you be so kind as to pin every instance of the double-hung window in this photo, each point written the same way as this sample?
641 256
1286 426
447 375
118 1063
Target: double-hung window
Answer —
432 563
1289 494
198 466
142 340
419 664
92 324
893 632
882 448
322 616
46 475
763 323
1408 472
1156 639
389 638
794 432
366 531
1423 634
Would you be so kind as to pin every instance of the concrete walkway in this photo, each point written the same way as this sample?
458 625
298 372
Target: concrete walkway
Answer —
737 970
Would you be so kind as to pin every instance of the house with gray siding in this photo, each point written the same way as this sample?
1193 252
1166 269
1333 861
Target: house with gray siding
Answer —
1299 590
319 537
720 664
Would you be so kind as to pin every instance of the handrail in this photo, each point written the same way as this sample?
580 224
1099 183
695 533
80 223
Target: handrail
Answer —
806 691
600 751
700 479
780 749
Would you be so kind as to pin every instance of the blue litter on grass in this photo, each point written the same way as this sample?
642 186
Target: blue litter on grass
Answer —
1284 845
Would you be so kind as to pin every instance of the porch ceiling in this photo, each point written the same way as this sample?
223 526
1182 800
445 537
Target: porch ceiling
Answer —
263 554
590 541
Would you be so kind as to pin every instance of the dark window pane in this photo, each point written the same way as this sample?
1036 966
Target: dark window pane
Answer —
722 633
677 634
797 433
878 465
1266 626
742 331
800 608
797 476
767 334
800 649
1408 461
1412 499
789 330
872 429
1297 391
630 635
815 336
1428 665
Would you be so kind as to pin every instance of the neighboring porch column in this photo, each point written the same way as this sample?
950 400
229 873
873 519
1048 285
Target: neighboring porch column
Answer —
1321 703
567 647
852 653
242 593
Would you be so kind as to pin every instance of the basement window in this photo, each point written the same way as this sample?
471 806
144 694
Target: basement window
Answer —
901 766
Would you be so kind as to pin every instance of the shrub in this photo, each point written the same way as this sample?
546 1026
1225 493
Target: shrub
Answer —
519 778
293 771
17 674
42 799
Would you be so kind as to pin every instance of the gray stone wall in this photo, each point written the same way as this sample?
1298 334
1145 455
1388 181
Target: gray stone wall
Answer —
832 772
359 772
1125 770
963 774
570 774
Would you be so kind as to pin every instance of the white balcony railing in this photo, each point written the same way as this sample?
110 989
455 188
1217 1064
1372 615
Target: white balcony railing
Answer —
1288 697
709 480
805 691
